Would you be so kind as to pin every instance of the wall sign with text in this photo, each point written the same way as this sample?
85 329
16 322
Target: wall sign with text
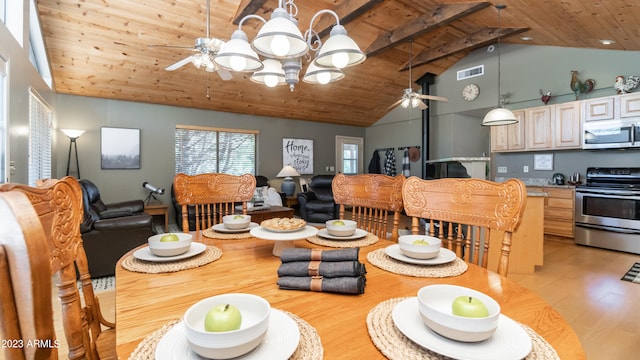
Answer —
299 154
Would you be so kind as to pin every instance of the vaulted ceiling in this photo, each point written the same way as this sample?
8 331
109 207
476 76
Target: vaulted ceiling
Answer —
101 48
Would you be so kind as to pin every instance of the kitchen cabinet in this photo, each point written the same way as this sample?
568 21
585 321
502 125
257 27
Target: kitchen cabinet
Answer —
552 127
559 214
509 137
527 242
599 109
630 105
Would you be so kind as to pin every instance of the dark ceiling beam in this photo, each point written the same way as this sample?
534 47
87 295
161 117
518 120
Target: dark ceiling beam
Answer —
467 43
347 11
443 15
247 7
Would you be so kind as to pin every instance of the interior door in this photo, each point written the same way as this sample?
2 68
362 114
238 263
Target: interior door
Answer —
349 159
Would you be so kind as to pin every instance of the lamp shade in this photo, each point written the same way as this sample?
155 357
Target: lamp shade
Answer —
287 171
271 75
499 116
237 54
280 37
339 50
321 75
73 133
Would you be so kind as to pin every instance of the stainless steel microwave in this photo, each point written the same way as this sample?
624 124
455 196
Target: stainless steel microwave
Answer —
611 134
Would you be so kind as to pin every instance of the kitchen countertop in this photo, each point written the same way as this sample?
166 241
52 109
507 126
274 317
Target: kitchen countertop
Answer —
461 159
538 182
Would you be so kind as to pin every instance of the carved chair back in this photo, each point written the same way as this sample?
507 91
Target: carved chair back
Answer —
58 204
463 212
26 310
212 196
373 197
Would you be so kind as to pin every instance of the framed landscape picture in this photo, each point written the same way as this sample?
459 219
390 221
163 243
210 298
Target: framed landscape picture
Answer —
119 148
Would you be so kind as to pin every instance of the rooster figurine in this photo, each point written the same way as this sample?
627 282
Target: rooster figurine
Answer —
578 86
625 86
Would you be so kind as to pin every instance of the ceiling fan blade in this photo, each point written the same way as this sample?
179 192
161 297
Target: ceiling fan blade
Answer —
395 104
224 74
179 64
431 97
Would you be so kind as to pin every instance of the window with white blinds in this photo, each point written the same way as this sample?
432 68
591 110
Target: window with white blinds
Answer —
40 116
213 150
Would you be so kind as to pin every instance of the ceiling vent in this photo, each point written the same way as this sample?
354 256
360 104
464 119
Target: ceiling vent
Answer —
471 72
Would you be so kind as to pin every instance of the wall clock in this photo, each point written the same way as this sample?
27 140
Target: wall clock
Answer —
470 92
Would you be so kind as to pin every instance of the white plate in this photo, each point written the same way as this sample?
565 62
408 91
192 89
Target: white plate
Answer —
262 233
146 254
280 342
221 228
443 257
510 341
357 235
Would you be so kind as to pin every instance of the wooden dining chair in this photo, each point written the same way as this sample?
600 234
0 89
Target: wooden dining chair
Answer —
372 198
212 196
464 212
58 204
26 310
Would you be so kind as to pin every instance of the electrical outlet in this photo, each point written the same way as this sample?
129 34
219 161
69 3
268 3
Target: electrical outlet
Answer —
502 169
525 169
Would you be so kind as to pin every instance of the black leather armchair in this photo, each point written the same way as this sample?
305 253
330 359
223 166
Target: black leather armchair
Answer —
317 205
110 230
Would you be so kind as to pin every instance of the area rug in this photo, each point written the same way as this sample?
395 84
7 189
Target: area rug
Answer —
102 284
633 275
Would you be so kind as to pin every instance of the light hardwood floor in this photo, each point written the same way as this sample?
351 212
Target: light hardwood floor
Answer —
584 285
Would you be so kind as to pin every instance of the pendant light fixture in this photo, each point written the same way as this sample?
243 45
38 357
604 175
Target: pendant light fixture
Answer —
499 115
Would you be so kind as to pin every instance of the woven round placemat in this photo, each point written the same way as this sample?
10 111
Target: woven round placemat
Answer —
309 347
394 345
210 254
369 239
380 259
212 234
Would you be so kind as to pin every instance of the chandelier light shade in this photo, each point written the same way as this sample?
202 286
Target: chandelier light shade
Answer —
271 74
322 75
339 50
280 37
499 115
237 54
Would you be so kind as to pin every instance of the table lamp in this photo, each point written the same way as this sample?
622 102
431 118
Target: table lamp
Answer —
288 186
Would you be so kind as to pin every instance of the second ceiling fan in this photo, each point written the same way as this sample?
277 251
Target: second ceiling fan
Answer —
410 98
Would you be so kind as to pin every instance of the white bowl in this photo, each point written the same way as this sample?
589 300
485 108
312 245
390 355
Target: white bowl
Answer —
255 313
348 229
236 221
435 306
408 248
169 248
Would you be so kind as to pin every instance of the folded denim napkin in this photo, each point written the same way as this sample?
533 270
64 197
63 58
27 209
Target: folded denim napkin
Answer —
330 269
301 254
345 285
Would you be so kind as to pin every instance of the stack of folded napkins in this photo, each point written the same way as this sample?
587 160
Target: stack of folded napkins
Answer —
322 270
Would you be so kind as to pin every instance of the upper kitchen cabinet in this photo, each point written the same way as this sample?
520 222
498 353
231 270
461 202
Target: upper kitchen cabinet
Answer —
568 134
509 137
630 105
612 107
539 128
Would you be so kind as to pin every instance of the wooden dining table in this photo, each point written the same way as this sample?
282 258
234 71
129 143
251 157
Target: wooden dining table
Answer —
145 302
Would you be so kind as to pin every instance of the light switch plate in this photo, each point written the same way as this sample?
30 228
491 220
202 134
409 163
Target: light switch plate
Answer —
502 169
525 169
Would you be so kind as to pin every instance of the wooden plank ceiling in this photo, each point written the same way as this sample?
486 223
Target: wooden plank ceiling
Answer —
100 48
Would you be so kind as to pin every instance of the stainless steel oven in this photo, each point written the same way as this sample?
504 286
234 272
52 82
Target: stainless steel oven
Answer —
607 209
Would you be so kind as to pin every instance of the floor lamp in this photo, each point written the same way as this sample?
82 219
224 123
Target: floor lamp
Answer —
73 135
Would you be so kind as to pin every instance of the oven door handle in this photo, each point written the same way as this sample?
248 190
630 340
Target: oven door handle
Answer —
608 228
607 192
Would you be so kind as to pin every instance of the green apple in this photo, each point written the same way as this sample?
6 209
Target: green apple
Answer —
420 242
169 238
223 317
238 217
468 306
338 223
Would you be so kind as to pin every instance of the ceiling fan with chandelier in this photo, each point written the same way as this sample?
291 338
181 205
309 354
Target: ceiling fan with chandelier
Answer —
205 49
410 98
